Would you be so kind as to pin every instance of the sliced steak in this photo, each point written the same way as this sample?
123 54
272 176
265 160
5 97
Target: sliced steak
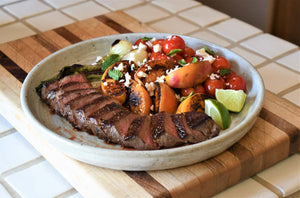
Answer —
164 131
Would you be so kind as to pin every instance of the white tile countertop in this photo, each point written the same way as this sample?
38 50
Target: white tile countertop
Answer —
24 172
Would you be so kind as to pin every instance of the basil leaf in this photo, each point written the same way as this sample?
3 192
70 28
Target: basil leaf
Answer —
146 38
182 62
209 51
194 60
109 60
184 98
115 74
223 72
173 52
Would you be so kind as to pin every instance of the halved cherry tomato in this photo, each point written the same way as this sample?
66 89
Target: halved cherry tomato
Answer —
158 56
173 42
220 63
187 91
236 82
137 43
210 85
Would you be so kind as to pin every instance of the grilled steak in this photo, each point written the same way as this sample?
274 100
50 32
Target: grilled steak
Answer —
87 109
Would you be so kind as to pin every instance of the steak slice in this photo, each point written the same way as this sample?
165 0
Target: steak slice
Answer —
139 135
164 131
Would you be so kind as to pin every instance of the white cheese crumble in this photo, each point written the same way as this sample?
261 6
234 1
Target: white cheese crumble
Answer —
214 76
142 74
105 83
142 46
150 88
127 79
178 97
160 79
152 108
206 56
120 67
171 70
157 48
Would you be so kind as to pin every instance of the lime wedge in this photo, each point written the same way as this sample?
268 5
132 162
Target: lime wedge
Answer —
218 112
233 100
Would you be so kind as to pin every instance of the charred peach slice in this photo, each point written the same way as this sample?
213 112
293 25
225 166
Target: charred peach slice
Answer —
150 71
164 98
114 89
139 100
192 103
189 75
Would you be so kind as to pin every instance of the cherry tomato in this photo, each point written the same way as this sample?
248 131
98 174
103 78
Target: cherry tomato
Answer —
158 56
137 43
220 63
199 89
236 82
188 52
159 42
210 85
173 42
226 76
176 57
187 91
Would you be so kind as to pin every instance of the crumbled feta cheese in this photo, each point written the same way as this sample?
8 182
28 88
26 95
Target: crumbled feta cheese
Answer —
122 80
149 43
120 67
98 58
135 47
157 48
142 46
132 66
171 70
142 74
152 108
105 83
206 56
178 97
127 79
150 88
160 79
214 76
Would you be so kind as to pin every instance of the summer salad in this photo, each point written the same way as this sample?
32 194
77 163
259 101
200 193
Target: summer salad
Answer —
153 75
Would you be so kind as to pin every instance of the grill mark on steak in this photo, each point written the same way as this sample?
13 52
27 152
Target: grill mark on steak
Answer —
179 126
157 125
170 137
134 127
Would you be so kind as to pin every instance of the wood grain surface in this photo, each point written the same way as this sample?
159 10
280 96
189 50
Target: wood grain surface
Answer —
274 137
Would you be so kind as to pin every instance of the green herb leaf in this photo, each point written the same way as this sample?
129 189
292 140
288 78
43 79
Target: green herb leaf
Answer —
184 98
146 38
111 59
173 52
223 72
194 60
209 51
182 62
115 74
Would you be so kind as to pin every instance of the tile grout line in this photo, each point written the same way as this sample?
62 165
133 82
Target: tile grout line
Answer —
269 186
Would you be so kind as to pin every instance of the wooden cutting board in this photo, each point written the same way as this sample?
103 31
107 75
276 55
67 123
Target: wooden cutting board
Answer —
274 137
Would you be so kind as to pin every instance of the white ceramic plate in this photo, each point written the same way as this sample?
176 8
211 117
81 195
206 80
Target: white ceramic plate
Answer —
89 149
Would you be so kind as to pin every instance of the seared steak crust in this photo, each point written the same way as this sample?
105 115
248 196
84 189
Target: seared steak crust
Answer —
87 109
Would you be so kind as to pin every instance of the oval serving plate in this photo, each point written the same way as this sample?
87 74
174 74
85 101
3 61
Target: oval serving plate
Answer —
89 149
